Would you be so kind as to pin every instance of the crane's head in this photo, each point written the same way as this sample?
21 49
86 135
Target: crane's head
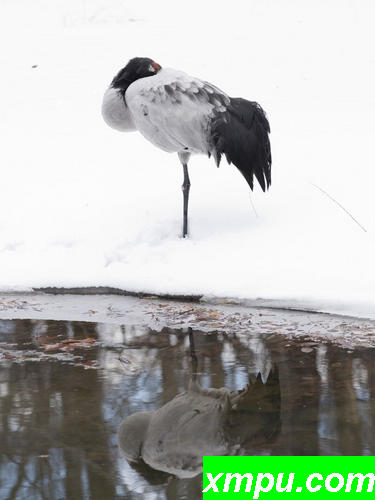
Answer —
139 67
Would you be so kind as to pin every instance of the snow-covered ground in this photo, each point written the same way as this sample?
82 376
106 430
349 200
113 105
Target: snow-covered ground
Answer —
82 205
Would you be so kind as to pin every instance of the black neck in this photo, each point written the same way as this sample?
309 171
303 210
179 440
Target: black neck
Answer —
122 84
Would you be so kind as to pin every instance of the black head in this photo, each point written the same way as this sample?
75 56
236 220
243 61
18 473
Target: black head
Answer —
139 67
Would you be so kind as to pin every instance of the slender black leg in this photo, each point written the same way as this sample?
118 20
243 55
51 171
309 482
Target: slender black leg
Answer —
194 359
185 190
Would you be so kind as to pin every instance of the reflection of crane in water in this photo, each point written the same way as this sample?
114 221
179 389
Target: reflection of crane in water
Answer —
201 422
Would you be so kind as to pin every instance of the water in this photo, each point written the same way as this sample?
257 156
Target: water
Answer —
65 388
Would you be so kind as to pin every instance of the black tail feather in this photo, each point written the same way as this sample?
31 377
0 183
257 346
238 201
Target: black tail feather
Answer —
241 134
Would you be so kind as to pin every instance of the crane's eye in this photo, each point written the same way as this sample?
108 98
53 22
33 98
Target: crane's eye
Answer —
151 69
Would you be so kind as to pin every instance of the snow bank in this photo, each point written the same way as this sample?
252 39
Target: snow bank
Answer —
82 205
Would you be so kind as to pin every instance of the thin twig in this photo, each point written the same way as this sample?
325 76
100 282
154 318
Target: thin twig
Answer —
339 204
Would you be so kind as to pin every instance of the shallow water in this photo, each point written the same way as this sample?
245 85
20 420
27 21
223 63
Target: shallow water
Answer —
65 387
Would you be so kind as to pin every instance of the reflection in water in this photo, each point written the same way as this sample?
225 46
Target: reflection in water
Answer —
199 422
62 403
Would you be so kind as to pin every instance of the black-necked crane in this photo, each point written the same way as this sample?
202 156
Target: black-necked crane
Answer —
182 114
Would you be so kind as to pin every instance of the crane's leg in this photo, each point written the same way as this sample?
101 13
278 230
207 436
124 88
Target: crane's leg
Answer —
193 355
185 190
184 159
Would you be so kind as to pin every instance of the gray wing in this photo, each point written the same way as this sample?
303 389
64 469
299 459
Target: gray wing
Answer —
175 114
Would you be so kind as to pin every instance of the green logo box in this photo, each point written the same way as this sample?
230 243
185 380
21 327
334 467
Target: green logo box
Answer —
267 478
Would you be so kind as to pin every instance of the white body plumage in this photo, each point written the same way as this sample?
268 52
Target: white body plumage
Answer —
172 110
115 113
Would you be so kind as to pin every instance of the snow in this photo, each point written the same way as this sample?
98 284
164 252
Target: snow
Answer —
84 205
